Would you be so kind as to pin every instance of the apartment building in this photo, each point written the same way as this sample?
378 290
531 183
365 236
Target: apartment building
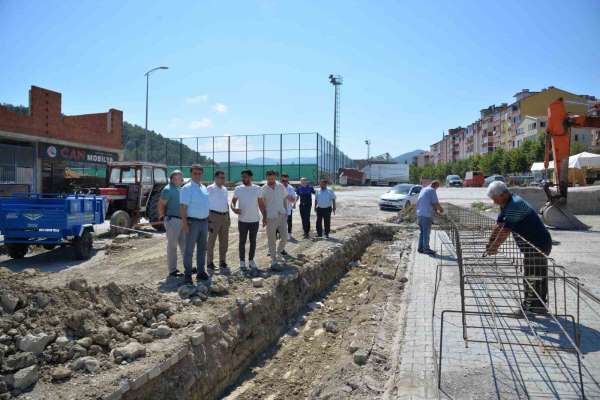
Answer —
507 126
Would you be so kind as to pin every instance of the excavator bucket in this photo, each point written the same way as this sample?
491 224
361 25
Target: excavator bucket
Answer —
557 216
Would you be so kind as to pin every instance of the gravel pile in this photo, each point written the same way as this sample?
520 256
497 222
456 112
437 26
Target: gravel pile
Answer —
54 334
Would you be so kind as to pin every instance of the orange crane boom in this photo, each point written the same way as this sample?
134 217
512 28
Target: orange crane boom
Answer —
558 142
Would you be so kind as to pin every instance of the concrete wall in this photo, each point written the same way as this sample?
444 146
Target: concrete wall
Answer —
580 200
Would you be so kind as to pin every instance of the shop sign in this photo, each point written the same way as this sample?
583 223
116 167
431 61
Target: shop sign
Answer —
77 154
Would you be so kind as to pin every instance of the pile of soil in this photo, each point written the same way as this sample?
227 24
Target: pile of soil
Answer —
406 215
52 334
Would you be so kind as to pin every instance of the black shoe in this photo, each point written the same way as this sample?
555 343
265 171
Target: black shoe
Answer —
175 274
429 252
188 280
211 266
194 270
306 236
420 251
224 269
284 253
327 236
202 276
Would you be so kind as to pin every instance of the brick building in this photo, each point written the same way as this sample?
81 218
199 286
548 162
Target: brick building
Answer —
46 151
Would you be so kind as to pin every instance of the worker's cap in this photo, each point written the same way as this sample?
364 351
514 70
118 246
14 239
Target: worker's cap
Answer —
176 171
496 188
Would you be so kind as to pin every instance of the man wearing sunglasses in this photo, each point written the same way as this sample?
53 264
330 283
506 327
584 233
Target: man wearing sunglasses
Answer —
218 222
194 217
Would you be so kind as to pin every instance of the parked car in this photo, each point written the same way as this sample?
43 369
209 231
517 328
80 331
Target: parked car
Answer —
492 178
454 181
473 179
399 197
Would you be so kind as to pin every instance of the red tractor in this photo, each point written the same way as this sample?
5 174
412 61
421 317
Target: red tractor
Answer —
132 192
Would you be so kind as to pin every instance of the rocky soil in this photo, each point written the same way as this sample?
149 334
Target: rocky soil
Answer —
344 346
56 334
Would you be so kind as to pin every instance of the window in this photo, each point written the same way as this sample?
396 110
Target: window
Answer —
115 175
160 176
576 137
128 175
542 124
147 175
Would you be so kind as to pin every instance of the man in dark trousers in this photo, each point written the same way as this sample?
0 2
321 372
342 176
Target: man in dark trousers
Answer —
324 206
533 239
305 192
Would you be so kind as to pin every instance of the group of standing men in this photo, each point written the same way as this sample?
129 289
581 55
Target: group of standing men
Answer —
195 216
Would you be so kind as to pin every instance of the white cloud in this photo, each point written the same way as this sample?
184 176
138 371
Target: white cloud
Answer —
201 124
203 98
220 108
176 122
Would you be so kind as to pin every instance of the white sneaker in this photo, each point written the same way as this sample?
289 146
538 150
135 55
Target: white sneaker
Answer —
289 236
243 265
253 264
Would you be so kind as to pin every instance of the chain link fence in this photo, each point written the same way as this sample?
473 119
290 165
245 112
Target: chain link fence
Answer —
299 155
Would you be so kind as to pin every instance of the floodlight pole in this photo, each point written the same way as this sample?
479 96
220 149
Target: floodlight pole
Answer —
336 81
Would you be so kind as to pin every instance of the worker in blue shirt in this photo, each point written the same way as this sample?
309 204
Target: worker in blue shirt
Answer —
427 204
324 206
533 239
194 218
305 192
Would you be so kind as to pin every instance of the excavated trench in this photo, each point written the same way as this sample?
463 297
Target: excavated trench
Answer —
343 346
269 346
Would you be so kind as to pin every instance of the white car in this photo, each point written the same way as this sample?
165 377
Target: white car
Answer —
399 197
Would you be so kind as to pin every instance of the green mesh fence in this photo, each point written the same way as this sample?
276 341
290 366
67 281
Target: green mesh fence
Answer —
233 171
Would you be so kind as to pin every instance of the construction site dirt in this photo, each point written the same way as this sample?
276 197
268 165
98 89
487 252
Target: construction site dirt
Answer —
331 325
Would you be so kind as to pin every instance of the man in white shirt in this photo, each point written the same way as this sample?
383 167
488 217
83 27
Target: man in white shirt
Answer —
194 219
275 196
324 206
250 202
218 222
292 198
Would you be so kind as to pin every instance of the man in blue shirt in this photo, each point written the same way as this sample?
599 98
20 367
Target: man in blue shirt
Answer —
427 203
168 209
533 239
324 206
194 218
305 192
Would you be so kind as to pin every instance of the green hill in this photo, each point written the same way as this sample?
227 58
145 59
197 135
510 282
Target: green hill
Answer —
161 149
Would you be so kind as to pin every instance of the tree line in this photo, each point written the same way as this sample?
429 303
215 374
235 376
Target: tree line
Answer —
500 161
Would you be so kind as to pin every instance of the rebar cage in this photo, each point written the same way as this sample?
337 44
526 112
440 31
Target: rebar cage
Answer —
495 291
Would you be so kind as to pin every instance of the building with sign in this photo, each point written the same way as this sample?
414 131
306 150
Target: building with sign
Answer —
43 150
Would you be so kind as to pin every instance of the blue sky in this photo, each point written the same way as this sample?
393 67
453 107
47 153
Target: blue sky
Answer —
411 69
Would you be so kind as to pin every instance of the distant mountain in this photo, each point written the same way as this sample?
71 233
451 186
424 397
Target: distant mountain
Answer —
275 161
407 157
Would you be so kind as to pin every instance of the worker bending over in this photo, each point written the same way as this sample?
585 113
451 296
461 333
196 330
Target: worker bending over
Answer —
533 239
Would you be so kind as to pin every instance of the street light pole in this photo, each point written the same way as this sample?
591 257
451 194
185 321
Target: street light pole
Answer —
146 125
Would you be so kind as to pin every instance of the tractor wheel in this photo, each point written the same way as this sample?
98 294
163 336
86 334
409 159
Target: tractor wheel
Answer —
82 246
120 218
152 212
17 250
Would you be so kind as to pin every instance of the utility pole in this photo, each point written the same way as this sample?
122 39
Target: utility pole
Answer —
336 81
368 143
146 125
